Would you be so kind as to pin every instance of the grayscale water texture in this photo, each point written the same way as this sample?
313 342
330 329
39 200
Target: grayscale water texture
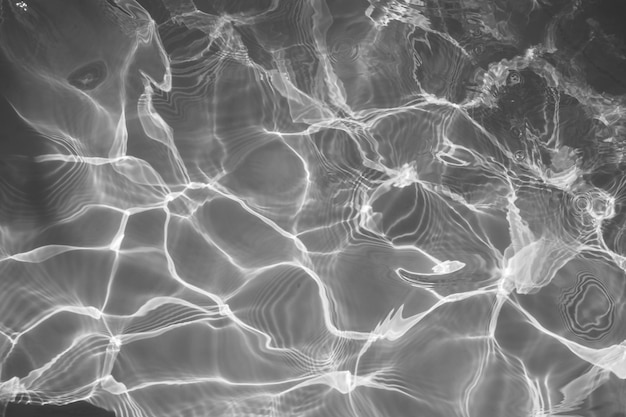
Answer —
303 208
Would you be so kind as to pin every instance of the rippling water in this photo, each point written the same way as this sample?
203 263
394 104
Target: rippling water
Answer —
313 208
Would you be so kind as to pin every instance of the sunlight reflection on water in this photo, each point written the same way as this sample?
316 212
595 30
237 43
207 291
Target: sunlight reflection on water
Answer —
312 208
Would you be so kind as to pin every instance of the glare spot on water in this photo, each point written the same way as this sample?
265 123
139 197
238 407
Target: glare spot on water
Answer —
116 341
109 384
448 267
405 176
530 53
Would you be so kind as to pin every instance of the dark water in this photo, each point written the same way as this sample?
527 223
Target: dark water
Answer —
313 208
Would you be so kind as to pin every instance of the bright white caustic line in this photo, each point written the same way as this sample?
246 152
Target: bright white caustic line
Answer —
312 208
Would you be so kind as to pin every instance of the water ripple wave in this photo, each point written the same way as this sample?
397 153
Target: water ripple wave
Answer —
313 208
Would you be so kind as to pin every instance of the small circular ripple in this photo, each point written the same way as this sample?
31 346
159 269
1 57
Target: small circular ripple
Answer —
587 309
581 203
89 76
520 155
344 51
517 132
514 78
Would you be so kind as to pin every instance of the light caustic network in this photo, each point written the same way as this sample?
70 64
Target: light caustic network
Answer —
284 212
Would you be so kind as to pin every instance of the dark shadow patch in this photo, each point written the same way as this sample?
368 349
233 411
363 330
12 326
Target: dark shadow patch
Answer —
80 408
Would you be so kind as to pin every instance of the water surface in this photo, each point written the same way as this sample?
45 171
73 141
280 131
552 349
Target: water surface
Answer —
313 208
